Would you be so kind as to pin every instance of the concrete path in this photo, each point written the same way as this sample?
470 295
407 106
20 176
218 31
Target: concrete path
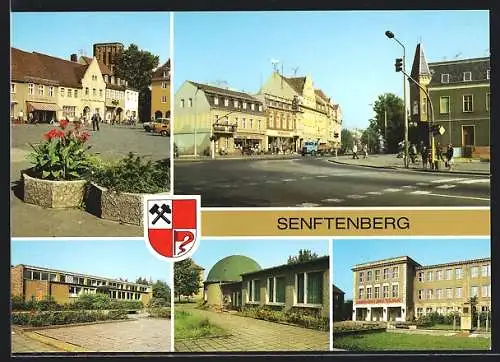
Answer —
139 335
22 343
248 334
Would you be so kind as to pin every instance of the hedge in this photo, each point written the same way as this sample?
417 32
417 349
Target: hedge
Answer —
83 302
48 318
159 313
303 318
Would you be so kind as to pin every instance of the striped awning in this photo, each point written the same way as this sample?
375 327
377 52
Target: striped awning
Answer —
36 106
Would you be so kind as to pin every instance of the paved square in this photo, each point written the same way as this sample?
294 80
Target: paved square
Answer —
248 334
112 142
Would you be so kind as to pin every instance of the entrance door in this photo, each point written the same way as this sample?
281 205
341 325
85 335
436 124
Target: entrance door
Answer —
468 136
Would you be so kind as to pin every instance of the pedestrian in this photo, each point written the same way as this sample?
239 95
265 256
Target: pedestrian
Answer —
95 122
424 153
355 151
413 153
365 151
449 157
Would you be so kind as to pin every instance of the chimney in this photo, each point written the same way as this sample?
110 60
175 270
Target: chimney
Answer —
73 58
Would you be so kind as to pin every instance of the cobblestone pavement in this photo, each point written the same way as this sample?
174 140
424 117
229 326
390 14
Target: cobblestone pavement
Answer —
112 142
140 335
23 344
248 334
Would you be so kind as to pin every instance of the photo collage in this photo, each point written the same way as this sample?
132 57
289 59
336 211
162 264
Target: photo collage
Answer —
315 182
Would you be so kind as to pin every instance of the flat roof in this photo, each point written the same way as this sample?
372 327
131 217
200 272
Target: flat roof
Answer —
398 259
455 263
285 266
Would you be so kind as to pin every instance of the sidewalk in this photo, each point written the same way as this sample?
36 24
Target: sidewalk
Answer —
462 165
190 158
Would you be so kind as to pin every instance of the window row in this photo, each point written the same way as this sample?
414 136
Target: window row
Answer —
392 292
466 76
467 103
240 122
112 80
447 274
444 310
308 289
448 293
77 291
387 273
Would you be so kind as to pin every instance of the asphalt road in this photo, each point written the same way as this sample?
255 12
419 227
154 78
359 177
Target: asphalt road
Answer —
318 182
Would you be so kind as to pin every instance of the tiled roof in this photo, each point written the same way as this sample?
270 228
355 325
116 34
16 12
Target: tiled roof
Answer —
420 66
225 92
319 93
104 68
158 72
337 290
456 68
42 66
296 83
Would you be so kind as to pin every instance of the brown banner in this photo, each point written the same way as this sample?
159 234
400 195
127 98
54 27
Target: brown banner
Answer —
411 222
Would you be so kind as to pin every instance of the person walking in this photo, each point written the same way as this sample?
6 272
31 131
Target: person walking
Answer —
424 153
365 151
449 157
355 151
95 122
413 153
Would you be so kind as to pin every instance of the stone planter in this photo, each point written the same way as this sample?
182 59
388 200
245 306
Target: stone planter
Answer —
124 207
52 194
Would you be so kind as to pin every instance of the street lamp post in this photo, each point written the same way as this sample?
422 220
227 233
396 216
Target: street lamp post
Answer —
212 135
390 35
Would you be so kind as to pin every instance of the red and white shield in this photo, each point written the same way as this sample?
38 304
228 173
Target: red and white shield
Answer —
172 229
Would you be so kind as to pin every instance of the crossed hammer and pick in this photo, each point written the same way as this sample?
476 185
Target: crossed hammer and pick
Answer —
160 211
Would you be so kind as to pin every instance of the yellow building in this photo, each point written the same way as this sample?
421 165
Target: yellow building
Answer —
212 120
31 282
160 92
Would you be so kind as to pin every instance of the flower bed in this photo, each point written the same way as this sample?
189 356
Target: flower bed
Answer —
301 318
48 318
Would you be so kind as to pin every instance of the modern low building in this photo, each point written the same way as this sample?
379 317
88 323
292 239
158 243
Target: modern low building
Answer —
305 286
32 282
400 289
460 94
214 119
160 91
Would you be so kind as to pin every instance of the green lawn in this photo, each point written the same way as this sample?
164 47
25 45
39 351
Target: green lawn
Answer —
386 341
190 325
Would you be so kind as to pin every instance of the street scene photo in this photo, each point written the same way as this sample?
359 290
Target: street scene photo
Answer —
392 112
412 294
253 295
90 122
88 296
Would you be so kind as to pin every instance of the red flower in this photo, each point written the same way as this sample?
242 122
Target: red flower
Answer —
83 137
63 123
53 133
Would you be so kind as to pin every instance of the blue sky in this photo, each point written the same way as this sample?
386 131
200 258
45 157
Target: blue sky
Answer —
346 53
61 34
267 253
348 252
126 259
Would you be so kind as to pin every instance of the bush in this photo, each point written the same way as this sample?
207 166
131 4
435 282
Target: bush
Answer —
160 313
47 318
300 317
133 175
158 302
17 303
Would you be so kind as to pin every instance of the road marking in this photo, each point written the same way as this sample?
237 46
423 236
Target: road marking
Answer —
420 192
445 180
271 181
391 190
252 183
422 184
198 188
445 186
306 177
288 179
373 193
321 176
476 181
332 200
356 196
458 197
409 187
307 204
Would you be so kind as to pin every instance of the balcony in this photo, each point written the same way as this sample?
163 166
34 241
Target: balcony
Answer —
224 128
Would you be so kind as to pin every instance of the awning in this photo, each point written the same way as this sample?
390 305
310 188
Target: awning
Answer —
36 106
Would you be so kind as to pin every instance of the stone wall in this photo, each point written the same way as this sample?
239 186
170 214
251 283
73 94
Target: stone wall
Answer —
16 281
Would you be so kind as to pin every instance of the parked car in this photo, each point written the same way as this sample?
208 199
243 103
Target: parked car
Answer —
150 126
162 128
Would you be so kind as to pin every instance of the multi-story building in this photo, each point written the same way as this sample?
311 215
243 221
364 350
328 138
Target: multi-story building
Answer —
398 289
338 303
160 92
32 282
237 281
47 88
460 95
228 118
131 103
107 53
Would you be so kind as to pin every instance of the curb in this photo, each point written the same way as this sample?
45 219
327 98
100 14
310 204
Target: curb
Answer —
57 326
54 342
249 158
478 173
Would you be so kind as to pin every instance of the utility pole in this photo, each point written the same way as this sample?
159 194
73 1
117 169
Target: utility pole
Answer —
385 128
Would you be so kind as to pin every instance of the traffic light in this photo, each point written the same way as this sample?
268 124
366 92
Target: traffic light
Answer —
399 64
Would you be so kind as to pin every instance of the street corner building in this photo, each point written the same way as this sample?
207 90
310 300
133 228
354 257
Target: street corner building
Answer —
338 303
459 104
46 88
400 289
280 118
238 281
160 92
31 282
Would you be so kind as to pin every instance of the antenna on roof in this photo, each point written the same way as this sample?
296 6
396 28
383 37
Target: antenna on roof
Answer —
295 71
487 52
457 55
81 52
275 63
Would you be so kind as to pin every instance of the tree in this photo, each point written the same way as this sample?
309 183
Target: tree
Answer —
303 255
370 137
161 290
346 138
142 281
187 278
136 66
394 134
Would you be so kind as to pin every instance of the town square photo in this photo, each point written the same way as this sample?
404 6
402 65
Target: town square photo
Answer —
412 294
362 108
89 296
253 295
90 115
